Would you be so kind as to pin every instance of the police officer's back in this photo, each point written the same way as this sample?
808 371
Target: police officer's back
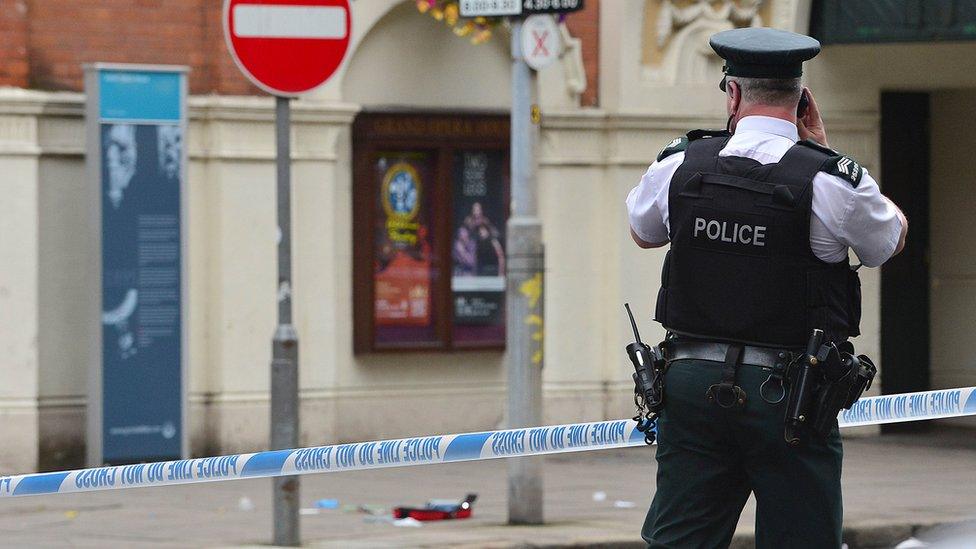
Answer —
759 220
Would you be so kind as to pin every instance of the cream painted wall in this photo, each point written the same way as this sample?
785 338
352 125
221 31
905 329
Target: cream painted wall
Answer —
853 74
952 253
19 250
233 281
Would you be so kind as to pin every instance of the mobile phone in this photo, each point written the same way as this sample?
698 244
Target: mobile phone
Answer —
801 108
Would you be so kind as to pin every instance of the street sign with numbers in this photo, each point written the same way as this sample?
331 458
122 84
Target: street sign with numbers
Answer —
530 7
490 8
501 8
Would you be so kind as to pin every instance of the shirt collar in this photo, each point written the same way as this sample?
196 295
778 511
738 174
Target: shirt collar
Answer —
768 124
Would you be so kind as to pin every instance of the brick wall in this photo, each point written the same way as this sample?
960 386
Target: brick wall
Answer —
43 43
13 43
61 35
585 25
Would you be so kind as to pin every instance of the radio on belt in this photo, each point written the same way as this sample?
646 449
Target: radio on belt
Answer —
649 367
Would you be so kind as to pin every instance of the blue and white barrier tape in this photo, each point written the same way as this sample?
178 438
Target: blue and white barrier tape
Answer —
553 439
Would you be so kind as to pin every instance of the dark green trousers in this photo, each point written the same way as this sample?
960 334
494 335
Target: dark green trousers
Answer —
710 459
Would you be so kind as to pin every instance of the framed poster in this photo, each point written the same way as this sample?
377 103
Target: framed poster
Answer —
430 207
403 248
136 158
480 212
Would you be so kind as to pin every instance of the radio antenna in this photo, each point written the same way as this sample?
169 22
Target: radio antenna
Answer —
633 323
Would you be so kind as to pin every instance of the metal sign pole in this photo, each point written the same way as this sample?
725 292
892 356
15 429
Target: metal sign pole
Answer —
524 316
284 362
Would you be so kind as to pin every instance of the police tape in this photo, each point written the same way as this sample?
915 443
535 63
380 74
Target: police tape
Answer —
553 439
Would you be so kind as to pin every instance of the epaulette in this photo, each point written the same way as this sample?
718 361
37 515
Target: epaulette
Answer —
845 168
676 145
837 164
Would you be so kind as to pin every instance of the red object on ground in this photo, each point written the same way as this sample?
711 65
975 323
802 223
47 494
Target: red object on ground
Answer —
438 510
430 514
287 47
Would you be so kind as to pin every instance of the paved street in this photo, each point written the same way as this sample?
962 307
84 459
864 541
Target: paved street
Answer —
894 480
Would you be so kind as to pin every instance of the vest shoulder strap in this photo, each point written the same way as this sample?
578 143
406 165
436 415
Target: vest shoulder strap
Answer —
702 134
679 144
701 154
817 147
799 165
836 163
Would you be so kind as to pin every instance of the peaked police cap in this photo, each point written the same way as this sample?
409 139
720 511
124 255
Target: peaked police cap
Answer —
761 52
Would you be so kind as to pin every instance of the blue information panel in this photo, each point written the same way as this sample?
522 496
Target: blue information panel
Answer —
141 125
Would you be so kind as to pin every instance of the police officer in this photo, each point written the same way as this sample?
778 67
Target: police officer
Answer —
759 219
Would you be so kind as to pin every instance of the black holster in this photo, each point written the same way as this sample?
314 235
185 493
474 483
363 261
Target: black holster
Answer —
824 380
855 376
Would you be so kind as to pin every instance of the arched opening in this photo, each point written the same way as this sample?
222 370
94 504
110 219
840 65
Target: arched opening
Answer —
410 59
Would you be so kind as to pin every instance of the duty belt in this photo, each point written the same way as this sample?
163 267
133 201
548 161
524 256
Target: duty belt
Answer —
764 357
727 394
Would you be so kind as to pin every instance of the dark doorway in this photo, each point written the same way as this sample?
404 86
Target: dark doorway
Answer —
905 279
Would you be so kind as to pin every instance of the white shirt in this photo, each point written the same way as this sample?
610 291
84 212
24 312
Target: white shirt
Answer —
860 218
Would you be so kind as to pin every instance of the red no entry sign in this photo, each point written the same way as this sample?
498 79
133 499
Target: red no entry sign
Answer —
287 47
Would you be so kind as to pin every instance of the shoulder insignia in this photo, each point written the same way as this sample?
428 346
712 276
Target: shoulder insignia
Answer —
845 168
817 146
676 145
837 164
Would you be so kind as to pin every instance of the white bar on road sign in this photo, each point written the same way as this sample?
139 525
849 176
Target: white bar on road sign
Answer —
490 8
270 21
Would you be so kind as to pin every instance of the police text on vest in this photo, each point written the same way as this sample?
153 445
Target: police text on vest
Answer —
735 233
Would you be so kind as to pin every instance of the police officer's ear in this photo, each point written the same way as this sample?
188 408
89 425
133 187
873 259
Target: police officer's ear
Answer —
734 96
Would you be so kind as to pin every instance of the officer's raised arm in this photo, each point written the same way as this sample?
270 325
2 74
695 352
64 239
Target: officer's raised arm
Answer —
646 212
857 215
848 201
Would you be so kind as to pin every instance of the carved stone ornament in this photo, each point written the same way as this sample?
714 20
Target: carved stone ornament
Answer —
572 60
675 39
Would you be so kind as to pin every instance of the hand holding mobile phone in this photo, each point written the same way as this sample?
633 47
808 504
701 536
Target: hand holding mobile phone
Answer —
809 123
801 108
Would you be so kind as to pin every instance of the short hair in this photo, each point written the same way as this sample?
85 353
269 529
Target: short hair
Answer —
779 92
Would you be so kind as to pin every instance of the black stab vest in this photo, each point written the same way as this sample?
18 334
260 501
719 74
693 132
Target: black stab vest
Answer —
740 267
